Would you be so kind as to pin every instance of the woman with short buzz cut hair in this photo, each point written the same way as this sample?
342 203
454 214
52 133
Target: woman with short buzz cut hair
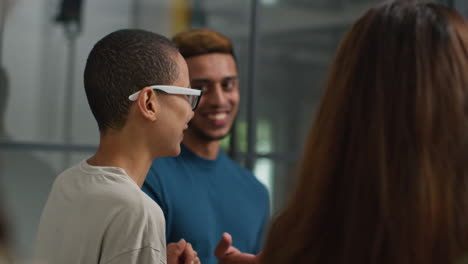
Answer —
384 177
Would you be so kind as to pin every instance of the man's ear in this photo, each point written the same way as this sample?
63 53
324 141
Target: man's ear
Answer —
146 102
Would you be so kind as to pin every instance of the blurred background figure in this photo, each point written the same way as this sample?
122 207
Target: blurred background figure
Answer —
25 179
384 177
5 250
25 182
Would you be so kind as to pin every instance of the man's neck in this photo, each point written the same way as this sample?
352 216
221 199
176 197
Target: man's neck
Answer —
203 148
115 151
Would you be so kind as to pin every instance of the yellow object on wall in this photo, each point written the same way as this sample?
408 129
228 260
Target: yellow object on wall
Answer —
181 13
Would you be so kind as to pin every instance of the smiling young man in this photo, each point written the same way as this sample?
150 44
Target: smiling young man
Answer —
202 192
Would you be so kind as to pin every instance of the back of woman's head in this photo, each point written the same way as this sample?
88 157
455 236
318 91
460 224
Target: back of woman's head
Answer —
384 174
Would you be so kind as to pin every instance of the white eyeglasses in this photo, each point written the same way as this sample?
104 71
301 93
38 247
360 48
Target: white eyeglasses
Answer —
192 94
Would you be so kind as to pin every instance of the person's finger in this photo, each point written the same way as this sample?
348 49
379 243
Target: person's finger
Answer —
189 254
223 245
239 258
259 256
181 244
174 251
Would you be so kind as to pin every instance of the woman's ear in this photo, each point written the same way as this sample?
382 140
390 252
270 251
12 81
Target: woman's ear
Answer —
147 103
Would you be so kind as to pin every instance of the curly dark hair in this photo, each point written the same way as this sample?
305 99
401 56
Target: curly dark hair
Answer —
122 63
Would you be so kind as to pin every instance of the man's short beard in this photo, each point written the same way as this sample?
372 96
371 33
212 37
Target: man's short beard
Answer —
204 136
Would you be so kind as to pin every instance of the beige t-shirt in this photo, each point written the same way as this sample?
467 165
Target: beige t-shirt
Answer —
99 215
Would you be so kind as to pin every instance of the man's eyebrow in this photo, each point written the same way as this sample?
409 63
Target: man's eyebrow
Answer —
200 80
233 77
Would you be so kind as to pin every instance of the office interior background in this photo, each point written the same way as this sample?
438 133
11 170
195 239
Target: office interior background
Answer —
284 48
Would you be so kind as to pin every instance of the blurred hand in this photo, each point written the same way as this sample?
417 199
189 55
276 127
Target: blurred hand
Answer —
227 254
181 253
